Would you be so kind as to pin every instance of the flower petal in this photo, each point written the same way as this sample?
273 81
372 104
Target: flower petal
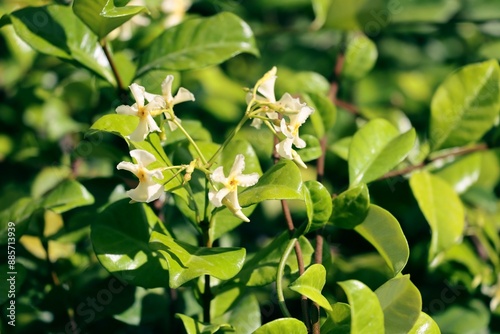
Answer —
218 175
142 157
146 192
166 88
183 95
256 123
126 110
238 165
267 87
140 133
152 124
247 180
233 198
217 197
299 142
155 173
128 166
284 148
138 93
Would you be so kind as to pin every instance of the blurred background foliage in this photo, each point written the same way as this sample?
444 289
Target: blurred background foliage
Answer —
48 104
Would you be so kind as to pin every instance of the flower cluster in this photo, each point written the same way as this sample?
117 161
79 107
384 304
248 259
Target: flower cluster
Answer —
285 115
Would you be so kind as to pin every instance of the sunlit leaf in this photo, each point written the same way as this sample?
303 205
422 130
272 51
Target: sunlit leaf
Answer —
198 43
67 195
324 115
318 203
193 326
462 173
338 320
442 208
383 231
424 325
102 17
366 313
186 262
401 303
310 284
375 149
55 30
465 105
283 325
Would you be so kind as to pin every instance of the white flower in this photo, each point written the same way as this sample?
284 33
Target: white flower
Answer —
228 195
146 122
291 131
126 30
148 189
170 101
176 10
266 89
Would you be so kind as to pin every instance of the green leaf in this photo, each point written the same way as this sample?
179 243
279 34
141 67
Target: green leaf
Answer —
438 11
120 236
186 262
324 115
366 313
465 105
462 173
300 82
19 213
283 325
383 231
341 147
261 269
102 17
401 303
424 325
350 208
312 150
310 284
318 204
234 307
442 208
320 8
469 318
360 57
55 30
193 326
199 43
67 195
282 181
375 149
339 320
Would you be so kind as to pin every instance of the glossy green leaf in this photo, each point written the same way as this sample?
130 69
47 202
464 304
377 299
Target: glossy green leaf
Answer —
360 57
338 320
401 303
310 284
312 151
375 149
237 308
424 325
186 262
366 313
282 181
462 173
324 115
283 325
465 105
464 254
48 179
193 326
442 209
55 30
341 147
102 17
350 208
19 213
320 8
199 43
261 269
120 236
297 82
67 195
383 231
120 125
438 11
318 204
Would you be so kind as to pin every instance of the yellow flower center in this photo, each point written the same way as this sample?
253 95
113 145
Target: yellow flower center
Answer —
142 174
232 184
142 112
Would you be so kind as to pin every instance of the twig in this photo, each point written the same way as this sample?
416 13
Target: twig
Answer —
119 82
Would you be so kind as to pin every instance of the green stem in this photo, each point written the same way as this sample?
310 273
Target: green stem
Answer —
107 53
228 139
279 277
191 140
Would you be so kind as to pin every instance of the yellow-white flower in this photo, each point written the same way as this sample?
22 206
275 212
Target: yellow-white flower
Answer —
146 122
228 194
168 101
266 89
148 189
175 10
291 131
